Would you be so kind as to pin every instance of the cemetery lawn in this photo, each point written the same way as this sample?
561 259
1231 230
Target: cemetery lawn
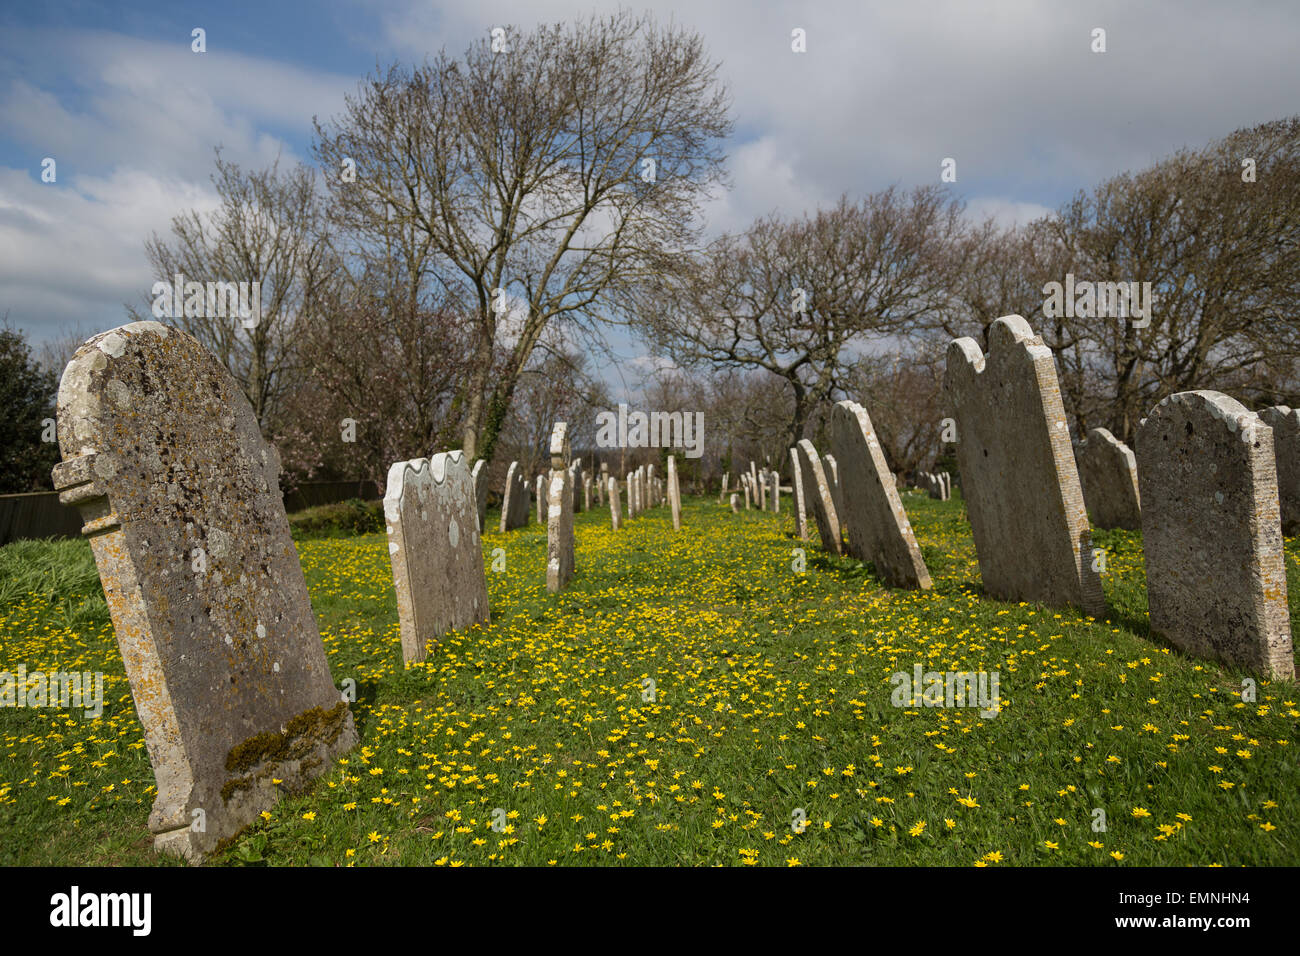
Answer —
771 700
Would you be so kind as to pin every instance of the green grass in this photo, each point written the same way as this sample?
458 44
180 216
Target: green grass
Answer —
772 697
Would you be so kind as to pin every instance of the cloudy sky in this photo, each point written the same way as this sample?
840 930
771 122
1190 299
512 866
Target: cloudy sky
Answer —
886 90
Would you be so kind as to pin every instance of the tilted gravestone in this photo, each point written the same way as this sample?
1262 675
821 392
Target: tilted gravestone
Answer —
1108 477
818 488
180 499
514 500
878 528
541 499
586 492
1285 423
615 506
479 476
559 512
652 497
1212 533
1018 474
433 545
735 504
832 469
776 491
576 480
797 487
674 493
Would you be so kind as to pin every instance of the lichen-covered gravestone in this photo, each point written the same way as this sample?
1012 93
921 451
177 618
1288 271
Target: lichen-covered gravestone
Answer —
1018 474
479 477
1211 532
576 482
800 505
1285 423
818 488
832 469
181 501
1108 477
559 512
514 500
541 499
615 506
878 529
433 545
674 493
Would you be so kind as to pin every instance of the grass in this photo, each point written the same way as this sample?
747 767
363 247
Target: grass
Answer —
537 740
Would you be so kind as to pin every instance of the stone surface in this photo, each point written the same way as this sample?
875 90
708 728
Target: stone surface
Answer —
832 469
1018 474
1108 477
615 506
577 480
586 492
818 488
1285 423
479 477
1212 533
433 545
180 499
539 495
877 526
674 493
514 499
735 504
559 512
797 486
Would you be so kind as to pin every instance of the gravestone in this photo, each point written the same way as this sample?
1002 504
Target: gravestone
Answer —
832 469
1212 533
651 496
1285 423
559 512
735 504
747 493
1108 477
1018 474
514 499
433 545
576 482
586 492
479 477
615 506
762 491
674 493
180 498
819 489
723 496
800 505
878 529
776 491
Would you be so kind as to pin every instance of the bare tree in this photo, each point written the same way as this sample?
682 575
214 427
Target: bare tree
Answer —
540 167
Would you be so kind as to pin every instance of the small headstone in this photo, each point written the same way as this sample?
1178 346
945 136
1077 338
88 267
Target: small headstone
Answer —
479 477
181 501
559 513
1212 533
586 492
1018 475
1285 423
615 506
514 499
735 504
433 545
828 522
832 469
878 528
540 498
1108 476
800 504
576 481
674 493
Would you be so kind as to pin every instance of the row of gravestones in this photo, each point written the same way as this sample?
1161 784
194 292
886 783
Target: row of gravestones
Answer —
1206 468
179 498
937 486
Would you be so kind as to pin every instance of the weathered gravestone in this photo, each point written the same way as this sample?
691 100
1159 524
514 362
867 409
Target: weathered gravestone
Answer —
514 499
832 469
615 507
559 512
1285 423
586 492
576 482
180 499
652 498
433 544
541 499
479 477
674 493
1108 477
1018 475
762 491
776 491
1212 533
818 488
735 504
878 529
797 487
723 497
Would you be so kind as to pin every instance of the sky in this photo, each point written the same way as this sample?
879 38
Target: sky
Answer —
885 91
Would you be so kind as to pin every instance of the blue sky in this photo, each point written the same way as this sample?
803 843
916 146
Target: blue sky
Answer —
1010 89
